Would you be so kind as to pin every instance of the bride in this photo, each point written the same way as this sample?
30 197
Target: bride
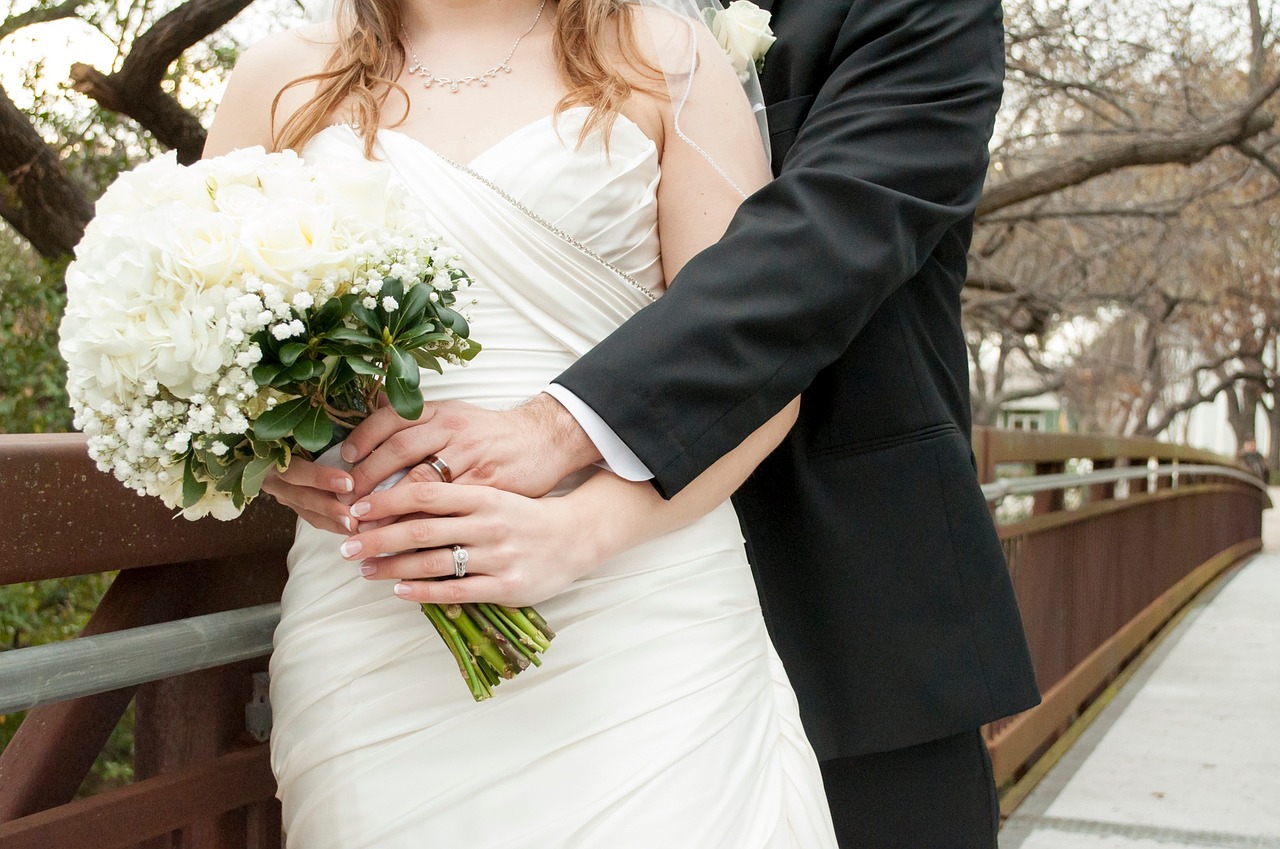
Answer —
543 142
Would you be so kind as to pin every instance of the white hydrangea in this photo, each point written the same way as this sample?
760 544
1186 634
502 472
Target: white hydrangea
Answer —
179 270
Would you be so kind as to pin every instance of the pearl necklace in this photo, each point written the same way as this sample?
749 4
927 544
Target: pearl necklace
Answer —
429 79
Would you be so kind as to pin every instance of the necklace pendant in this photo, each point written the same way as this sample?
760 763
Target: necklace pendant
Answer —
483 82
453 87
506 69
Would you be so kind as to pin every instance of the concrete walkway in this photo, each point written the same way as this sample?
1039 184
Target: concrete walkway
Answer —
1188 754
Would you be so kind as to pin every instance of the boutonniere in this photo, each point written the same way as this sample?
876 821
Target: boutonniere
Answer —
743 31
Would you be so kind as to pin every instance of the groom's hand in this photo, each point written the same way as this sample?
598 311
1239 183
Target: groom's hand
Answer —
526 450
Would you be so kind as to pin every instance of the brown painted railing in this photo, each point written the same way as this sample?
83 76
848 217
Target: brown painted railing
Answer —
1094 583
201 781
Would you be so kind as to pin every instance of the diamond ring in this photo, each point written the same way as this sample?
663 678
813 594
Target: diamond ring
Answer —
460 558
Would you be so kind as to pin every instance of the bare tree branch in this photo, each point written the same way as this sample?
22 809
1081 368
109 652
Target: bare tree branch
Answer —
134 90
1200 396
1184 148
39 15
1258 155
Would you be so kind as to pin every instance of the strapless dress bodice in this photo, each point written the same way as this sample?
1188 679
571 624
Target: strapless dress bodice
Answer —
603 202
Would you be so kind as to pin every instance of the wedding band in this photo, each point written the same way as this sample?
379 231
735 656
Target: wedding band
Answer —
460 558
441 467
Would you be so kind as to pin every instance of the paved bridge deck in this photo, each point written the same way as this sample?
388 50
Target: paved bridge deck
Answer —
1188 753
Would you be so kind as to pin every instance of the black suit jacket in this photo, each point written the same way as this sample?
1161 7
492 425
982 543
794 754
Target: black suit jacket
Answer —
881 576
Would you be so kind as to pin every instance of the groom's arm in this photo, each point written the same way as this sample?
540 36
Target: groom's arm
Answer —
892 154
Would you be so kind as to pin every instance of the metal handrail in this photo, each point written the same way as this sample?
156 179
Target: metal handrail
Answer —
84 666
39 675
1002 487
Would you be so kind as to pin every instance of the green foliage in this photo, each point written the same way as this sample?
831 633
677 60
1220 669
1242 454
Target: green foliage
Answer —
40 612
33 397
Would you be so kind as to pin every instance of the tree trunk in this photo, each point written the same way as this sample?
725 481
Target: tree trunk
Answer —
37 196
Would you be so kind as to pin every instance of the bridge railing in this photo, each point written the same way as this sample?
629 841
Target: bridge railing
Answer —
202 781
1099 573
1096 575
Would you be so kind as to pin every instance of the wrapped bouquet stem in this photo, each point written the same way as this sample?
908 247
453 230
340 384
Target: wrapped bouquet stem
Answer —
227 316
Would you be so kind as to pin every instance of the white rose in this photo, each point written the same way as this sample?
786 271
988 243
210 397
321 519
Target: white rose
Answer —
151 184
358 192
244 167
289 238
743 31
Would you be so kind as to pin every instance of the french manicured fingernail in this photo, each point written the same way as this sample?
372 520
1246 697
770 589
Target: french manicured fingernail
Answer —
346 523
400 589
360 508
350 548
367 569
349 452
346 484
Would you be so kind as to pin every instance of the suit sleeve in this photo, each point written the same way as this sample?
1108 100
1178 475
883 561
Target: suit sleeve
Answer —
891 155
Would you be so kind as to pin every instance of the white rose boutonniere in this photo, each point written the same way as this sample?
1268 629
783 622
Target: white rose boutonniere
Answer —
743 31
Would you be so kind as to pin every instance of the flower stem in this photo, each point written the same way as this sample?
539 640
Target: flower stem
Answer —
480 689
481 646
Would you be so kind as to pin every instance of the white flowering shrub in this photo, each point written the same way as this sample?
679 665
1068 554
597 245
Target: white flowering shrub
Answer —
223 315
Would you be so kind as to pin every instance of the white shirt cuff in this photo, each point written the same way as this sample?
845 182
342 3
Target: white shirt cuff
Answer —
618 458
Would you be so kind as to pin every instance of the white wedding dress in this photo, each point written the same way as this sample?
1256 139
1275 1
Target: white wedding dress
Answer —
661 717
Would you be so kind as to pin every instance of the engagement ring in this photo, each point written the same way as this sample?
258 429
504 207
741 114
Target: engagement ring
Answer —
460 558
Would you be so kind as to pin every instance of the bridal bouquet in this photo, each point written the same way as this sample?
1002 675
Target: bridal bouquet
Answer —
225 316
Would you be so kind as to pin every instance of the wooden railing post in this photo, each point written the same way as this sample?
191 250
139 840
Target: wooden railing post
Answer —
54 748
1050 501
1102 491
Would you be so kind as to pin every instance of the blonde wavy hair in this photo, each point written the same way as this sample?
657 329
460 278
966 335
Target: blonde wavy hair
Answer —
369 57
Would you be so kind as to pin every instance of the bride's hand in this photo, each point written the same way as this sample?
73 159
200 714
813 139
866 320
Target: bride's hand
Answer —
312 491
527 450
520 550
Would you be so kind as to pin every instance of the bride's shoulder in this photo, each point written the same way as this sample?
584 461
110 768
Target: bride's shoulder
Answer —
287 54
264 71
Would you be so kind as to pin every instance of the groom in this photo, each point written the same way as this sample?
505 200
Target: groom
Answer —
881 577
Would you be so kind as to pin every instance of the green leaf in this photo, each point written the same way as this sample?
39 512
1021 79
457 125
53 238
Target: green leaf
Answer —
304 370
362 366
327 317
192 489
428 360
280 421
468 353
403 367
314 431
266 343
264 373
454 320
406 400
290 352
392 286
368 318
416 300
346 334
417 335
230 481
254 474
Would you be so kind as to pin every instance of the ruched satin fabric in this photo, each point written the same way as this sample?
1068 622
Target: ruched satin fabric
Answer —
661 717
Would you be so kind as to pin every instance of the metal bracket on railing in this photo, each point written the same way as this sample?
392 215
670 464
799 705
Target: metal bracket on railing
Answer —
257 714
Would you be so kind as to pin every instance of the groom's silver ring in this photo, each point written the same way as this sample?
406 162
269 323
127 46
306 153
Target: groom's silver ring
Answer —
441 467
460 558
